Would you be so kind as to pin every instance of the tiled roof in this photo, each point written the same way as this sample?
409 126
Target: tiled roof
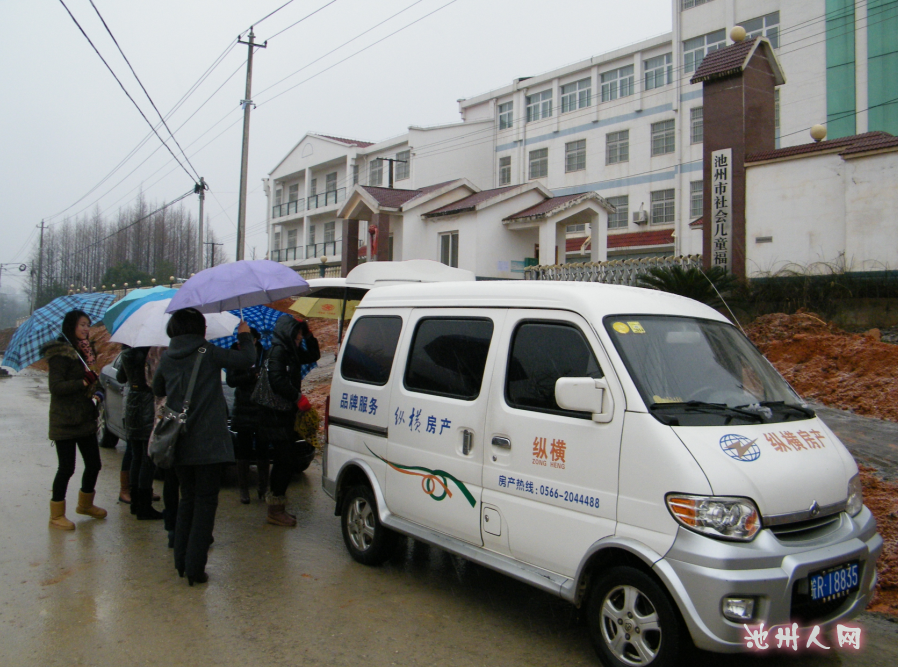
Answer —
390 197
469 202
395 198
547 206
697 223
651 237
348 142
872 144
724 61
857 143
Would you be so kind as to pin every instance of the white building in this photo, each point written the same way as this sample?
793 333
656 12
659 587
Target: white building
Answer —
626 124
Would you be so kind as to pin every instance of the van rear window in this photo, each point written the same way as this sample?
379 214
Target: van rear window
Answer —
370 349
448 356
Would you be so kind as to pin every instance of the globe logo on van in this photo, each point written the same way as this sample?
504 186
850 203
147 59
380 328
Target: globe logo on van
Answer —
740 448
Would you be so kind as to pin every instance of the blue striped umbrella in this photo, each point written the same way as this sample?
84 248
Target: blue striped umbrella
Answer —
262 319
119 311
45 325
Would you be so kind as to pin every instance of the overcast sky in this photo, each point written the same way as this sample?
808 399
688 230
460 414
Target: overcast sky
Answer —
67 124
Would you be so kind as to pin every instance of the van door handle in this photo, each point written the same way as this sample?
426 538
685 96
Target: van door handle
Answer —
499 441
467 442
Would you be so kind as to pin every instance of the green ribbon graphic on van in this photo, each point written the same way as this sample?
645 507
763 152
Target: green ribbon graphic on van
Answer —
435 483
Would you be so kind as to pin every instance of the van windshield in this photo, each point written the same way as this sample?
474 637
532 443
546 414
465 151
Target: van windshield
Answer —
694 372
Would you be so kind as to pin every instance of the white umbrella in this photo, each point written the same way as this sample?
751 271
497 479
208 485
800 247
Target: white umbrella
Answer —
145 327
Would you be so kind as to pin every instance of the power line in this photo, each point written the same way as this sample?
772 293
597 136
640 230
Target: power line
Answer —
267 16
307 65
143 88
62 2
300 20
359 51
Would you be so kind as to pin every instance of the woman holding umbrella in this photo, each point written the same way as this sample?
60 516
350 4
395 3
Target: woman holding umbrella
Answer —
206 445
73 416
285 360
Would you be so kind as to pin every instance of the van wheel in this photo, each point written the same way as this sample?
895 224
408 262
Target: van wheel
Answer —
632 621
368 541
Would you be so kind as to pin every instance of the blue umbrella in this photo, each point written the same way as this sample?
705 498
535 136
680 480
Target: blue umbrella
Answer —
262 319
45 325
118 312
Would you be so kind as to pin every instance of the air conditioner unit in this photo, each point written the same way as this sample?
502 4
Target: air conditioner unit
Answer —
640 217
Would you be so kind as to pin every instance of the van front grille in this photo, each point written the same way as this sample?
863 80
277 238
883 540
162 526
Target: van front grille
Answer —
809 529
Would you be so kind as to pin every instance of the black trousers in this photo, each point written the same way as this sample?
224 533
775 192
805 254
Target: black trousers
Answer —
251 445
65 452
170 492
282 440
196 516
142 467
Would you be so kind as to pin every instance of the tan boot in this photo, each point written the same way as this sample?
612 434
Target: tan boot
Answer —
124 492
277 516
86 505
57 516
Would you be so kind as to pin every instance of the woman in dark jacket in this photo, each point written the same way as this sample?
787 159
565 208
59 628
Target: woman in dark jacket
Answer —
73 416
245 421
285 360
138 423
206 445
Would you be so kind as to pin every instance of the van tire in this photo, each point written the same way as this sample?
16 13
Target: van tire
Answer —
632 621
368 541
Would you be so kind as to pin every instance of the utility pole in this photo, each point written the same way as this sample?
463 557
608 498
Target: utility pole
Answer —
40 267
391 161
200 189
213 249
247 103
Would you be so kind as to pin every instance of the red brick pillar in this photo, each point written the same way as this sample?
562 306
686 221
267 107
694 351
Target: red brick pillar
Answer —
738 101
350 257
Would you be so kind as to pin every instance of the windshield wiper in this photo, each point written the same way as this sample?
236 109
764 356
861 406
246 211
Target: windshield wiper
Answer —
708 408
782 405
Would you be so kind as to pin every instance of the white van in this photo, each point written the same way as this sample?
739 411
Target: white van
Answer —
622 448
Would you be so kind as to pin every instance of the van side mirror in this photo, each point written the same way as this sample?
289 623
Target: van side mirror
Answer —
585 395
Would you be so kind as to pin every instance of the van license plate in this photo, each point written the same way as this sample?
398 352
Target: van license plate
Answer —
836 582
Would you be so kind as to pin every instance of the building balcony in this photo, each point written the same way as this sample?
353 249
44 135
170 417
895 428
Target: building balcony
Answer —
329 198
311 251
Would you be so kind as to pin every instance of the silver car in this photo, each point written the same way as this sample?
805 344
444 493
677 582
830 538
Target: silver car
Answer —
110 425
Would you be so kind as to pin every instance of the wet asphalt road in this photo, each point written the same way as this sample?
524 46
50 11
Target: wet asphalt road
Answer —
108 594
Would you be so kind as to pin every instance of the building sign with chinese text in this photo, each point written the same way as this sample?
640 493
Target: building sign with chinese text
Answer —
721 211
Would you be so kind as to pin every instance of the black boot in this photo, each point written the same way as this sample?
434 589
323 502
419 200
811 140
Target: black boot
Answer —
145 511
134 503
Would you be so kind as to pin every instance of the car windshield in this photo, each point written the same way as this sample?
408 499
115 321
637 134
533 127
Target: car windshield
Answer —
700 372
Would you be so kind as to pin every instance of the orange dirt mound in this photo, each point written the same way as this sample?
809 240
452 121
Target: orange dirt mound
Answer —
882 499
853 372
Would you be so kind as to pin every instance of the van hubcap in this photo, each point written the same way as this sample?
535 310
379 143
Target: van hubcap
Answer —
630 626
360 524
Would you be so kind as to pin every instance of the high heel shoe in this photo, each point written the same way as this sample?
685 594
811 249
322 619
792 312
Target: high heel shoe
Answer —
201 578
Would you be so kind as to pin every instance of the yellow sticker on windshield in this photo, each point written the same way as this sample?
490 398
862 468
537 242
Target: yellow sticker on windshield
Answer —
620 327
636 327
666 399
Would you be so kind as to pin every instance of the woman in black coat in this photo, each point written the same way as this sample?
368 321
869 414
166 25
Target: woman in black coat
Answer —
206 445
285 360
138 423
250 445
73 416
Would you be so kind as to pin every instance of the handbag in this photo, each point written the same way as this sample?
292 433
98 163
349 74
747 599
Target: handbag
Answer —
265 396
172 424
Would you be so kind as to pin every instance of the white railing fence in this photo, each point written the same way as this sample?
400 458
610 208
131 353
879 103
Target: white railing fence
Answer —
612 272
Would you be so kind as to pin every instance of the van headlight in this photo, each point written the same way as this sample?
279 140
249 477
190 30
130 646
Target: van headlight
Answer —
720 517
855 496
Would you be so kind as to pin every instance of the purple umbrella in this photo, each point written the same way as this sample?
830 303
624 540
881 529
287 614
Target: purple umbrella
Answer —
249 282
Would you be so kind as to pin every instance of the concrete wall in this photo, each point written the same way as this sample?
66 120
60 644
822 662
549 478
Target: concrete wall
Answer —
823 210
